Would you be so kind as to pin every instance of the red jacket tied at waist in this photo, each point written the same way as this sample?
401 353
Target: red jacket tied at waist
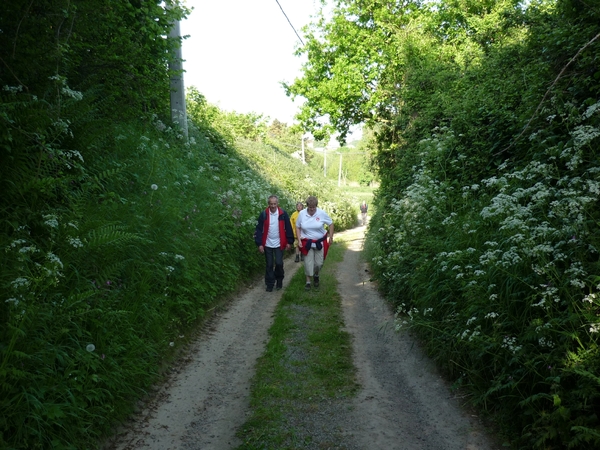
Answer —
319 244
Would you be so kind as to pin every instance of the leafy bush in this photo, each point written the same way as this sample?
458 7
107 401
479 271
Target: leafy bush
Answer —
117 234
100 290
485 235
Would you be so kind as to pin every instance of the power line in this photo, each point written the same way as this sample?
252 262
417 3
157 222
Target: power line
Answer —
290 22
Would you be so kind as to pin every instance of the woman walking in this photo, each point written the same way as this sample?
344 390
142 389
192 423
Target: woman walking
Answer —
313 239
293 217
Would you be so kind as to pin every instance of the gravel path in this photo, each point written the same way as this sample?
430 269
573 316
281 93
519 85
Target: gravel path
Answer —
402 404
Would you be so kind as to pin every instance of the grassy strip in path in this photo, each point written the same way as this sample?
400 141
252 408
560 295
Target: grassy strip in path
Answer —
306 373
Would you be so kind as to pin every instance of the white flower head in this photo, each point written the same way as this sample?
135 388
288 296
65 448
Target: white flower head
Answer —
20 282
51 220
18 242
589 298
75 242
12 89
53 259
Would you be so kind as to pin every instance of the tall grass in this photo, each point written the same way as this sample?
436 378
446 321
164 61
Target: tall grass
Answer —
112 254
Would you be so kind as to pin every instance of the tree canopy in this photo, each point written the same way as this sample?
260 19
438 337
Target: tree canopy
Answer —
486 126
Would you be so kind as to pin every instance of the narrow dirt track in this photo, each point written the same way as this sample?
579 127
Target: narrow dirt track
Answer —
402 404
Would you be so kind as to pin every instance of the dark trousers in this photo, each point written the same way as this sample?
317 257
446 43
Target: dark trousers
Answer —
274 272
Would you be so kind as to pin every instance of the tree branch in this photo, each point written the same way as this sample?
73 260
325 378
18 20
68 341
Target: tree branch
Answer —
18 28
546 95
13 74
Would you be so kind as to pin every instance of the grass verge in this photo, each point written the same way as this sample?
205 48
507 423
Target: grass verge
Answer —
306 373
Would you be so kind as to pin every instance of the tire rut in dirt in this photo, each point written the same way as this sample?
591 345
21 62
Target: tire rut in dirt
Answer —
403 402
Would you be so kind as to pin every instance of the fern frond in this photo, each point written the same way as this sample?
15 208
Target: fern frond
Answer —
110 234
111 271
104 175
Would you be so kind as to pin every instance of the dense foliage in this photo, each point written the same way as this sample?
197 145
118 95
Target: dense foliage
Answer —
117 234
487 121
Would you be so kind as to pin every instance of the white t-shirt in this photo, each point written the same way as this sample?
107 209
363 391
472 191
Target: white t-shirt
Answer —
273 240
312 227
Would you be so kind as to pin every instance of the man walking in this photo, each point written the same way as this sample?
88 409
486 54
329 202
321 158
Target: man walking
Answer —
363 212
273 236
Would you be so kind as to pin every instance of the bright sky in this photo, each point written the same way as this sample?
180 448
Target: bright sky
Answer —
239 51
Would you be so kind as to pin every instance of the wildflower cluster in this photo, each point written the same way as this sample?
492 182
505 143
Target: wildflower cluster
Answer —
505 266
36 271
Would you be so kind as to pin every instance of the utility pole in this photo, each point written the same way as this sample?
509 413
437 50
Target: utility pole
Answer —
325 162
340 171
178 112
304 136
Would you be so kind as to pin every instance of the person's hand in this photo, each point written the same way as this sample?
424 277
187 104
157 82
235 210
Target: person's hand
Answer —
288 246
330 239
261 249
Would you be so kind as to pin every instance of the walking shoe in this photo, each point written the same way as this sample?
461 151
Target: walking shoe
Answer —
269 288
279 285
301 257
316 281
307 287
297 258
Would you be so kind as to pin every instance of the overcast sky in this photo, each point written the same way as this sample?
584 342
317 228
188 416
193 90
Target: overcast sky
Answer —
238 52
